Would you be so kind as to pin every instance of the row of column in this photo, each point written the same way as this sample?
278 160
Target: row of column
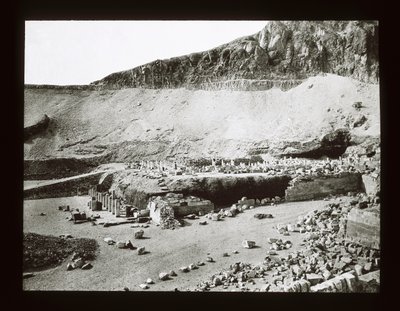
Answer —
104 201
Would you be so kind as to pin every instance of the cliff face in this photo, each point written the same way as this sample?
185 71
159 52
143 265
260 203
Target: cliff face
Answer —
289 50
313 92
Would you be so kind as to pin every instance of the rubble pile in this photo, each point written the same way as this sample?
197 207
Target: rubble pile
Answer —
327 262
242 205
239 275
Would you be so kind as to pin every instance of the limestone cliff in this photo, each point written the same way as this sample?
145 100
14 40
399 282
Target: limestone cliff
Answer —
291 50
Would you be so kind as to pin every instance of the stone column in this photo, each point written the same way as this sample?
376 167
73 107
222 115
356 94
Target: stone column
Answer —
117 208
114 202
103 201
93 204
106 203
110 203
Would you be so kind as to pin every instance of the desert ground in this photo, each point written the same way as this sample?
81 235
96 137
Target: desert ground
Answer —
168 250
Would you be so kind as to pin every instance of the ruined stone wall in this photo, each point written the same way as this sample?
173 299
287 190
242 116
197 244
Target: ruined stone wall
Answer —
302 189
78 186
58 167
226 190
204 206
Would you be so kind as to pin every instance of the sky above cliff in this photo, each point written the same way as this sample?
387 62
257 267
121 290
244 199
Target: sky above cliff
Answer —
80 52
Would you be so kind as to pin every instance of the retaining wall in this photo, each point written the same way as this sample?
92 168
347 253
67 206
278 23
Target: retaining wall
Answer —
72 187
302 189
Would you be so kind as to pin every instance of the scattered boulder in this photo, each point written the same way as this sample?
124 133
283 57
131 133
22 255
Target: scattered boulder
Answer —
163 276
149 281
109 241
217 281
215 217
191 216
78 263
139 234
261 216
172 273
143 286
87 266
121 244
141 250
272 240
66 236
128 244
248 244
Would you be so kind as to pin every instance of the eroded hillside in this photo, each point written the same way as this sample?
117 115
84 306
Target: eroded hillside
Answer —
134 123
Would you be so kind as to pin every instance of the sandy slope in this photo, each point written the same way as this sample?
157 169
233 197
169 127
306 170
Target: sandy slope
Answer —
197 121
116 268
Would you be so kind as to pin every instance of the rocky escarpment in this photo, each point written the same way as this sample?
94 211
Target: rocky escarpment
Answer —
291 50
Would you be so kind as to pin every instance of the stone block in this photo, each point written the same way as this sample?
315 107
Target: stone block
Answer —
121 244
248 244
340 284
215 217
371 185
314 278
109 240
139 234
351 281
304 286
163 276
78 263
363 227
369 282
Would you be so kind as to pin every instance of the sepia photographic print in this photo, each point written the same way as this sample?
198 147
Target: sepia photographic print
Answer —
212 156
